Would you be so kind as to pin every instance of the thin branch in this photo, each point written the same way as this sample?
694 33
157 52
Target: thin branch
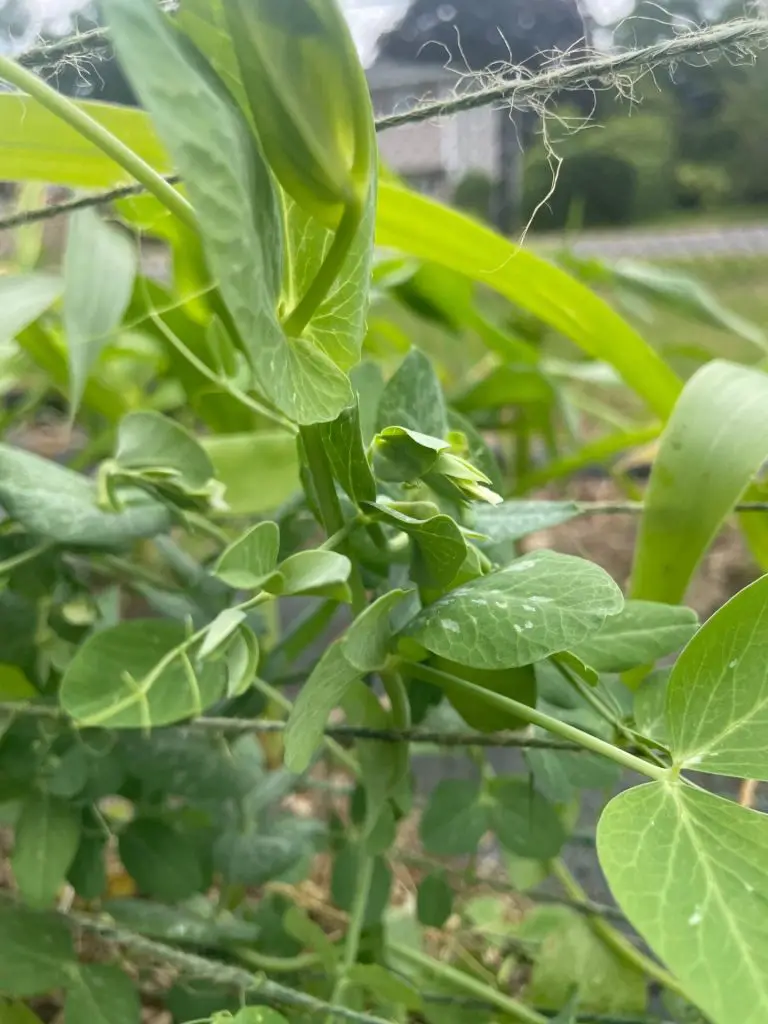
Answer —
239 726
743 32
215 971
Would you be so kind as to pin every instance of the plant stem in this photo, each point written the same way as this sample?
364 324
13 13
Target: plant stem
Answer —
103 139
276 964
355 930
328 500
613 938
23 557
507 1004
552 725
329 270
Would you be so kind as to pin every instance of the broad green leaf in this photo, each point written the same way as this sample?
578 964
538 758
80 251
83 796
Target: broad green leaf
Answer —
536 606
366 643
251 558
47 837
36 954
163 862
570 956
132 676
524 821
147 440
25 297
102 995
338 325
519 683
406 455
650 706
257 1015
717 695
59 505
232 193
242 661
641 633
259 471
440 548
504 386
716 439
454 819
386 986
343 442
424 228
560 774
515 519
300 926
258 856
688 870
36 145
14 685
17 1013
88 873
383 765
95 252
434 900
478 452
413 398
324 690
319 573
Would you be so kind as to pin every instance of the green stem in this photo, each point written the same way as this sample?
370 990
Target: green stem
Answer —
328 500
276 964
329 270
23 557
401 714
355 930
613 938
553 725
214 378
473 986
103 139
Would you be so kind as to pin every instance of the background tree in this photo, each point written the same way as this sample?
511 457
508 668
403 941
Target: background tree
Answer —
482 34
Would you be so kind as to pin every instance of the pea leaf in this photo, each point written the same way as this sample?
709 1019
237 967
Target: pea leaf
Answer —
650 706
36 954
428 230
560 774
36 145
385 986
512 520
717 696
102 995
454 819
247 562
258 1015
366 643
440 548
133 676
47 837
319 573
162 861
536 606
688 870
383 765
325 688
57 504
234 200
87 873
343 884
524 821
413 398
641 633
343 443
25 297
519 683
253 858
95 252
259 471
715 440
17 1013
434 900
146 440
220 631
570 956
504 386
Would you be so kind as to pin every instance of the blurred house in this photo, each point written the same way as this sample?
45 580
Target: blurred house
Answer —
433 156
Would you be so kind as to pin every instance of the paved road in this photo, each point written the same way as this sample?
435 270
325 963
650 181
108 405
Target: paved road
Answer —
676 243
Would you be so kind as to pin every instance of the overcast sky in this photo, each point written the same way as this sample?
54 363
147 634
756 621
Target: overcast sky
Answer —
368 17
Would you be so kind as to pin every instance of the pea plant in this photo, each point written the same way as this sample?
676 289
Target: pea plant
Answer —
282 551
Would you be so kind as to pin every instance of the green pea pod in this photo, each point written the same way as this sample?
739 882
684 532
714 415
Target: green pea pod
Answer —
308 98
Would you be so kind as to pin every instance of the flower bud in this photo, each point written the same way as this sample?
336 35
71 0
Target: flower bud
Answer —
308 98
